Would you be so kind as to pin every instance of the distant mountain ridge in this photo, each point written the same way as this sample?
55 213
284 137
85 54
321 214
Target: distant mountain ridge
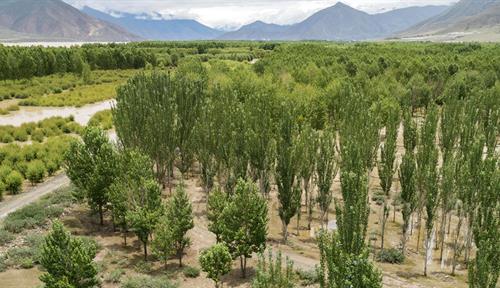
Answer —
157 29
338 22
55 20
466 15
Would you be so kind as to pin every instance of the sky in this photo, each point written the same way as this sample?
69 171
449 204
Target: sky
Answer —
230 14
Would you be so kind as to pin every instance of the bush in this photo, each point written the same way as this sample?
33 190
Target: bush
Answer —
143 267
5 237
378 197
191 272
20 135
35 171
393 256
38 213
308 277
37 135
2 189
115 276
13 182
144 281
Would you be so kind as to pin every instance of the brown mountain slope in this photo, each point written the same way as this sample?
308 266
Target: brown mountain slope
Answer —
58 20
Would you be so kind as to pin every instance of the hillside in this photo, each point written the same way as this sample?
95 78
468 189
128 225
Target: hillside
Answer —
471 16
339 22
55 20
157 29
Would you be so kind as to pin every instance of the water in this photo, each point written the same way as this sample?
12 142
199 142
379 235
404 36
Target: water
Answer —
34 114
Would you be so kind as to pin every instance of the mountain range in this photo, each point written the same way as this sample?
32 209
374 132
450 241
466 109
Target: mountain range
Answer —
54 20
34 20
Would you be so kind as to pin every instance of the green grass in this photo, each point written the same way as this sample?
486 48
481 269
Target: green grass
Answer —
38 213
53 126
103 119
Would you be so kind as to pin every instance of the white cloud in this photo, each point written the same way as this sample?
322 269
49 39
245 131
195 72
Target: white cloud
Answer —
234 13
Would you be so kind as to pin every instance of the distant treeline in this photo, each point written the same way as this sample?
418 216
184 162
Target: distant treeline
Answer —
27 62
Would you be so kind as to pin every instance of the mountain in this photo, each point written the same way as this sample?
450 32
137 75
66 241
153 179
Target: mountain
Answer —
54 20
256 31
338 22
466 15
157 29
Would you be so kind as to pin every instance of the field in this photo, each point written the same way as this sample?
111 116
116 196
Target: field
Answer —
329 154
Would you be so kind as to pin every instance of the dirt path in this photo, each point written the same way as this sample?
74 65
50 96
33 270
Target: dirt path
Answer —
33 194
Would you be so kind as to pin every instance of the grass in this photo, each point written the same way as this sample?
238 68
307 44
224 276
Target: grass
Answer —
63 89
143 281
103 119
38 213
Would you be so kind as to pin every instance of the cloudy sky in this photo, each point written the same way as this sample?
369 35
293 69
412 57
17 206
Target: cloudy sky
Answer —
234 13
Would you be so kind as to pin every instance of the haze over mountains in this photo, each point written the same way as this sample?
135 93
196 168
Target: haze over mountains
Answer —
54 20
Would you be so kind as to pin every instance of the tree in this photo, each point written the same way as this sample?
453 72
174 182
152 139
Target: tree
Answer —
216 262
14 182
146 212
339 268
289 193
217 201
272 274
386 165
326 169
244 223
408 193
307 146
163 241
91 166
35 171
145 118
485 270
67 260
179 215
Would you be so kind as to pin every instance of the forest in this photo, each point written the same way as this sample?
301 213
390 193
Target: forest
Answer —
257 164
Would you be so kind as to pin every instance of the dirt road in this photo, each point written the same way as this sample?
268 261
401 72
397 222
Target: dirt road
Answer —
33 194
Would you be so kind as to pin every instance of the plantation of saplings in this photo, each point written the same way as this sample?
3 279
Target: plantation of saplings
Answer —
316 164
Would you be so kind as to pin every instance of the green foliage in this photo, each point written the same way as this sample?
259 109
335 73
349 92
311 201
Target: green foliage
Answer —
244 223
326 170
216 262
144 281
67 260
339 268
91 166
103 119
35 171
38 213
392 256
6 237
13 182
191 272
217 201
271 274
115 276
179 216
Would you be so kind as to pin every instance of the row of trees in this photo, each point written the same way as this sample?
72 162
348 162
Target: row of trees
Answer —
27 62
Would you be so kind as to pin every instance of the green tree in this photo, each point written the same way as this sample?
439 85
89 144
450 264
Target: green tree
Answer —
163 241
244 223
35 171
289 192
14 182
217 201
91 166
408 193
67 260
146 212
271 274
179 214
216 262
326 170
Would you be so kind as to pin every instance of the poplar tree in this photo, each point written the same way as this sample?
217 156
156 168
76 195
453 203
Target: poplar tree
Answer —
326 169
91 166
407 175
289 193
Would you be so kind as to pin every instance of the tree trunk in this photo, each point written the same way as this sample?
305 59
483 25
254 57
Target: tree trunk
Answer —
125 237
101 215
384 219
285 232
442 234
180 258
449 224
427 242
145 252
468 240
243 266
419 224
455 246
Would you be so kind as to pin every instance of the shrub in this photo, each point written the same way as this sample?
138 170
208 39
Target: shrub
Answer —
37 135
378 197
35 171
20 135
5 237
308 277
393 256
115 276
2 189
144 281
13 182
143 267
191 272
271 273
